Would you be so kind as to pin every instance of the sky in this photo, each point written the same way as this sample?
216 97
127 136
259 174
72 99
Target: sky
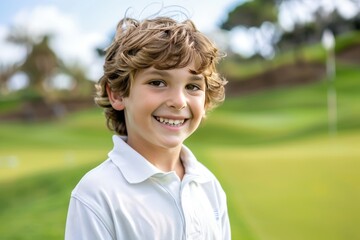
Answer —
101 15
79 26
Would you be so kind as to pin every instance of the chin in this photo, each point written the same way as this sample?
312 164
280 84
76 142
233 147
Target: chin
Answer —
172 143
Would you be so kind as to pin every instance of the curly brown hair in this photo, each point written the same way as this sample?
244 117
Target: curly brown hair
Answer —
162 43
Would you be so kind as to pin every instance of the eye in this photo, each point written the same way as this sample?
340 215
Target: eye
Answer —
193 87
157 83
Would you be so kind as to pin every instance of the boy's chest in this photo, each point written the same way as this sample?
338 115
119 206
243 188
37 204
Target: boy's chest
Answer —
167 211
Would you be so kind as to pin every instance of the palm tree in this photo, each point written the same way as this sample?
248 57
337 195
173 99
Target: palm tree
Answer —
258 16
6 71
40 65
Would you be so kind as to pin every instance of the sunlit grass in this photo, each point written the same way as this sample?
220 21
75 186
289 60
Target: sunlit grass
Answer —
35 207
284 175
18 163
299 190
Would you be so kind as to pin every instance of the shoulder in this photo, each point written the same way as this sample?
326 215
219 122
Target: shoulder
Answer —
201 174
89 211
205 171
97 181
196 168
213 180
209 185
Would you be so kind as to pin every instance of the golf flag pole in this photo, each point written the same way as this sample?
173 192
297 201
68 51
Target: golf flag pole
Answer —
328 41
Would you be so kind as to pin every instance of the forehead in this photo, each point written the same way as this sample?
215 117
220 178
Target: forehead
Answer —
185 72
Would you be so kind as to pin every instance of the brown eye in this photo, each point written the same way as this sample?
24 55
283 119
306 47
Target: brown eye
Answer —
193 87
157 83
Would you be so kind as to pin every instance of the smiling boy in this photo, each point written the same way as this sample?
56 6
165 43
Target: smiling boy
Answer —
159 81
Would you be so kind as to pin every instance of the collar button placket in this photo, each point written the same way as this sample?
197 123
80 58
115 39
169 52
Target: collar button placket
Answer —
192 224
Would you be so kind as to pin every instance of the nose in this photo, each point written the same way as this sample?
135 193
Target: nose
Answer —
177 99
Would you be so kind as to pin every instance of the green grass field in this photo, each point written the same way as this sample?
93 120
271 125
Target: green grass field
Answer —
285 176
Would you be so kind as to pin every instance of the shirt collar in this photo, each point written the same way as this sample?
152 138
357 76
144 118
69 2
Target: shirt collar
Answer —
193 168
135 168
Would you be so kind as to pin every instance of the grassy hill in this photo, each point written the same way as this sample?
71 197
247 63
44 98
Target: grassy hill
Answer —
285 176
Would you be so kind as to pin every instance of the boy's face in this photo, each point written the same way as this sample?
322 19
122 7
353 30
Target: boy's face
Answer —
164 107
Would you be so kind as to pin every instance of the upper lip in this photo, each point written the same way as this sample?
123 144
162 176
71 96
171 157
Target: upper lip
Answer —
171 117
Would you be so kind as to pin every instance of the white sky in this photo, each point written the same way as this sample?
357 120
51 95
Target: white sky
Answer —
78 26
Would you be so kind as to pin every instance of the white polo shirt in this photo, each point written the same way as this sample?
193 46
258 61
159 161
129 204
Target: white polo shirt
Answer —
126 197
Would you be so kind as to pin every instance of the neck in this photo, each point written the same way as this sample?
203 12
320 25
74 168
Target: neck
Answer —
169 161
166 160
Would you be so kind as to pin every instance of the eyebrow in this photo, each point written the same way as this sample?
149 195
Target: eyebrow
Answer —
164 73
197 77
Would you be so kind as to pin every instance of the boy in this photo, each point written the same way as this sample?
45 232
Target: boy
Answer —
159 80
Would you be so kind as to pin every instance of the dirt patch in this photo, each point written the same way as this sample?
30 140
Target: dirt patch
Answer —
39 110
350 55
283 76
289 75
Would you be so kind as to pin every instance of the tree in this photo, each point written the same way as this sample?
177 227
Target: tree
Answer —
258 17
40 65
20 36
6 71
253 14
82 85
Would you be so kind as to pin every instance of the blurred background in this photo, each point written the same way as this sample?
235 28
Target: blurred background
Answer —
285 144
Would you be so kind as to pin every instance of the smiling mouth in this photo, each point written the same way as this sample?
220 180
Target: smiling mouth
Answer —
171 122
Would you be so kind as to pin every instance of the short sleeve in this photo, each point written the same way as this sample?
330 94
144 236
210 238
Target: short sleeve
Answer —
226 233
83 224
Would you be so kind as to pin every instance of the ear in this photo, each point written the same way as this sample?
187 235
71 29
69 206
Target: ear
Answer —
116 100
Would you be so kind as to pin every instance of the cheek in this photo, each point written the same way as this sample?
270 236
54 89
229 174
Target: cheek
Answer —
148 103
145 105
201 106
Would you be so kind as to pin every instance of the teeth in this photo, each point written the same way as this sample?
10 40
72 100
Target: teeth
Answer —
170 122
